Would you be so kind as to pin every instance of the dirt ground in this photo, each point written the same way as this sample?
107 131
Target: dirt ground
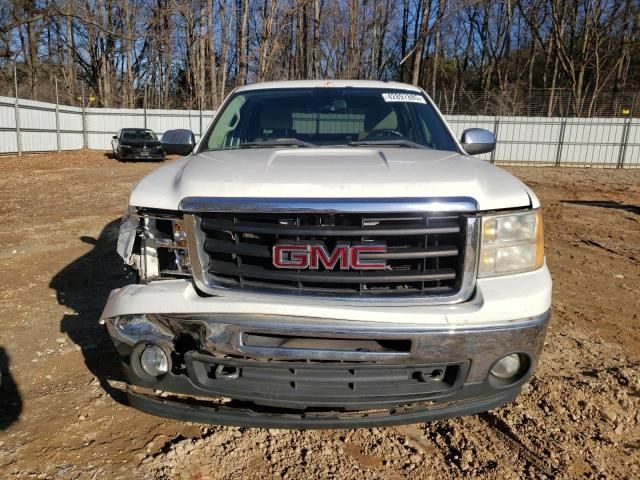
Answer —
61 414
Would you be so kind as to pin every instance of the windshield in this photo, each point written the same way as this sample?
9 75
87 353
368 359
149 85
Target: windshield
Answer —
317 117
138 134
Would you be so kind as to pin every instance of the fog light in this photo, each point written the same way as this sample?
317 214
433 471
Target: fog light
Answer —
154 361
507 367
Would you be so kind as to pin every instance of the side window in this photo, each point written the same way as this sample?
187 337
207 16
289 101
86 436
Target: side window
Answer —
433 129
406 122
424 127
223 135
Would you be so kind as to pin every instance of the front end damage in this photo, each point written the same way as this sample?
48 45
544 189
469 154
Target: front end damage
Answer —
285 361
266 370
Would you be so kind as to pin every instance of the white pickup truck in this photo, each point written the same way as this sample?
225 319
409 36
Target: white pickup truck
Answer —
329 255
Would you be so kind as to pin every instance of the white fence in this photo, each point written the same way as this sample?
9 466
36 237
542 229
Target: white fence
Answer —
606 142
103 123
47 127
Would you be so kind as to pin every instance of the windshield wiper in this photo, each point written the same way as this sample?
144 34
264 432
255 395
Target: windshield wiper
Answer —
277 142
400 142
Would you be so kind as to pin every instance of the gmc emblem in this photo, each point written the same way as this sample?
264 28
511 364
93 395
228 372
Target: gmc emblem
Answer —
299 256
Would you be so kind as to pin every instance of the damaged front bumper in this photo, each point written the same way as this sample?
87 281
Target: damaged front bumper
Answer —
277 369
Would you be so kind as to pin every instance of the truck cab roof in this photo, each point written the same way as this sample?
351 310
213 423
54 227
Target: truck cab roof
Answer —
328 84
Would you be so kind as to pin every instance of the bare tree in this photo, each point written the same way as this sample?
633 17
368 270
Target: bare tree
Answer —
488 55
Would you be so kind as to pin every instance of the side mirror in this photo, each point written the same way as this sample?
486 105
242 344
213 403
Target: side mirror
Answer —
115 137
178 142
478 140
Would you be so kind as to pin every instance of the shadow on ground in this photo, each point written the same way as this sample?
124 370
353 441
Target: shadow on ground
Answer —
10 399
605 204
84 286
111 156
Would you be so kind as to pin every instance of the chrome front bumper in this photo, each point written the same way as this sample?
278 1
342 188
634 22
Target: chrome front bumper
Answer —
218 342
223 334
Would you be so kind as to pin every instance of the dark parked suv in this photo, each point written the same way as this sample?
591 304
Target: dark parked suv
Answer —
136 144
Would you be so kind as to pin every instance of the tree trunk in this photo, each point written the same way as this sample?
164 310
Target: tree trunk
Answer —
419 49
243 16
211 43
315 51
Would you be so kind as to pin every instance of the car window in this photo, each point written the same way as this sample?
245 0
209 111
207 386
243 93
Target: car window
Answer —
138 134
328 117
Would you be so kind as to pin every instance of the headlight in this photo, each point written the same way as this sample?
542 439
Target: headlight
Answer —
165 247
511 243
127 235
155 244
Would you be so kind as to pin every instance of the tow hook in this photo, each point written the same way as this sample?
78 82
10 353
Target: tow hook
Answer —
435 375
227 373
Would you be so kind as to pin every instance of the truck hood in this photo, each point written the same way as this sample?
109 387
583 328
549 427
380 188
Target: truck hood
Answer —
330 173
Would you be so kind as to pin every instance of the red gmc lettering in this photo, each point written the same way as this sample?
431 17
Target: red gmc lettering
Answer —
301 256
291 256
361 264
318 255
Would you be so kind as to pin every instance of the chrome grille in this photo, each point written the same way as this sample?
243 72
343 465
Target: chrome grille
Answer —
425 252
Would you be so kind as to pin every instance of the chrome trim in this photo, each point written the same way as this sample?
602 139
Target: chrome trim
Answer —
211 285
199 258
329 205
131 329
329 327
482 343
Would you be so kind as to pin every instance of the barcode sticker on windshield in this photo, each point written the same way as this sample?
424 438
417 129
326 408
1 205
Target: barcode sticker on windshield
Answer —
403 97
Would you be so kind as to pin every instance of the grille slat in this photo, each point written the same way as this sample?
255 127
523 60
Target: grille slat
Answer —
337 290
328 231
410 253
424 252
237 248
228 268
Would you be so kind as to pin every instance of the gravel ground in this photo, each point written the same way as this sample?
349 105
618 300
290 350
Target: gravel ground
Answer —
61 414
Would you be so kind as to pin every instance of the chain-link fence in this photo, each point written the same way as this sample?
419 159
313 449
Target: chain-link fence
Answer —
539 103
512 101
526 135
77 93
